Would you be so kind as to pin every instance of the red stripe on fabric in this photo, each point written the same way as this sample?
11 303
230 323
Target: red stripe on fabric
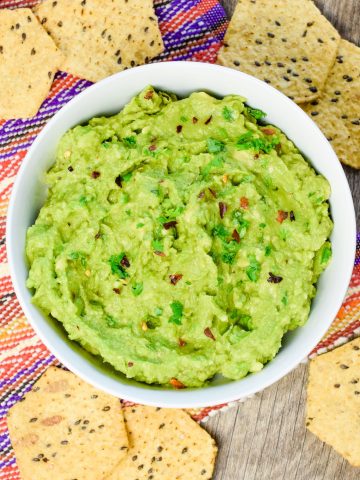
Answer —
10 167
346 332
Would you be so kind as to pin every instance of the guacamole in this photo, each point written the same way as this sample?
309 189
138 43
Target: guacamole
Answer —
180 238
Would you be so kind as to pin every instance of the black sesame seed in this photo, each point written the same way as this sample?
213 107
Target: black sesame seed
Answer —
349 79
45 459
32 420
134 458
334 100
288 70
345 77
146 29
277 23
54 4
49 74
64 442
314 114
36 459
305 59
162 425
280 65
41 455
356 122
152 43
284 40
43 20
29 19
236 63
266 80
320 40
337 385
60 24
132 63
77 422
257 64
357 392
287 79
101 426
160 449
294 74
33 51
293 60
83 3
313 89
337 92
106 409
271 35
23 36
343 366
203 471
140 467
310 24
1 49
259 42
267 62
304 33
17 26
184 450
314 102
354 381
355 347
308 80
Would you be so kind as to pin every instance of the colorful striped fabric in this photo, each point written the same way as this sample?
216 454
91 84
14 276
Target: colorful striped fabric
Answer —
192 30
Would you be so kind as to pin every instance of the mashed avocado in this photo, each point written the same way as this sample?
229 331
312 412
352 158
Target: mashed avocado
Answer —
180 238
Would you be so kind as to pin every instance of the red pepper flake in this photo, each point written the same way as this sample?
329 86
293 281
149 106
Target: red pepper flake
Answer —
213 193
182 342
256 155
194 120
292 216
152 147
244 202
235 235
209 333
178 128
170 224
148 94
274 278
160 254
175 278
176 383
201 194
281 216
130 364
95 174
222 209
125 262
208 120
116 290
268 131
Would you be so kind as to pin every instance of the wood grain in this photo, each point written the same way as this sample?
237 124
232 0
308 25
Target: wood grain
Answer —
265 437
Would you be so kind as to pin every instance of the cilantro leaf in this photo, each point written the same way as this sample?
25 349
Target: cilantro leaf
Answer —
129 141
215 146
325 254
267 250
116 267
137 288
177 309
229 252
157 245
256 113
227 114
221 232
253 270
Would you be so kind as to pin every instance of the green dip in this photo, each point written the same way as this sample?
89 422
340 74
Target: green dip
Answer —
180 238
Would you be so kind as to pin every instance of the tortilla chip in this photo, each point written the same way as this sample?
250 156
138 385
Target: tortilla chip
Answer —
29 60
286 43
67 429
333 402
102 37
337 110
164 443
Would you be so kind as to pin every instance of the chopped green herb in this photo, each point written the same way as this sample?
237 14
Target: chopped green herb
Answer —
139 225
262 225
221 232
110 321
83 200
267 250
325 254
215 146
129 141
137 288
106 144
124 199
228 114
78 256
74 255
128 212
284 299
215 162
240 222
229 252
157 245
247 141
177 309
158 311
256 113
183 119
220 280
253 270
126 177
116 267
188 283
155 191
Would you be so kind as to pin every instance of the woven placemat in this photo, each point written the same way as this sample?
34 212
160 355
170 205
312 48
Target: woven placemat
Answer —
192 30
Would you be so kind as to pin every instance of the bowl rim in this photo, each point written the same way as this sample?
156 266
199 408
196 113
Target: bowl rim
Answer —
176 398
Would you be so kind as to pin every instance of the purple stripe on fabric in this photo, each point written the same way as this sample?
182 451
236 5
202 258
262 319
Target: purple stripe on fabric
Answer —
166 12
27 371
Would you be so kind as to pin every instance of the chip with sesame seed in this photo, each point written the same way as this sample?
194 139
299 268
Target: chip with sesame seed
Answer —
286 43
67 429
29 60
337 110
333 400
102 37
165 444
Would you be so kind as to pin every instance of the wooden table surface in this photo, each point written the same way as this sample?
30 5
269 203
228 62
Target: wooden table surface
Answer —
265 437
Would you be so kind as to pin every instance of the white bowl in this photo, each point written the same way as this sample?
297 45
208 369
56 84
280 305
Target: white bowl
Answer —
108 97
